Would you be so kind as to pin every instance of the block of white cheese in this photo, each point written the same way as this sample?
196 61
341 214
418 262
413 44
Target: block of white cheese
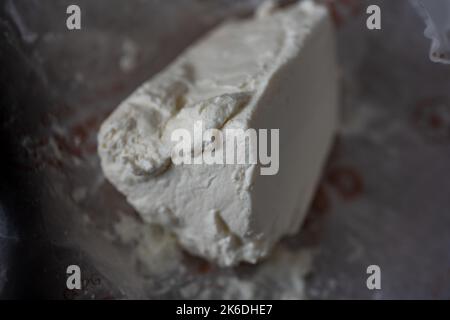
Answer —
272 71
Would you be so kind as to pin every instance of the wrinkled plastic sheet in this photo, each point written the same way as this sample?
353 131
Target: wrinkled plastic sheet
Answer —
383 198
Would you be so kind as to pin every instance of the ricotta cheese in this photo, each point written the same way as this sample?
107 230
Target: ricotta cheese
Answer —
276 70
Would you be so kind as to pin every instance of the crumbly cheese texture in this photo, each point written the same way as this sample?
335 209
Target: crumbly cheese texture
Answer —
274 71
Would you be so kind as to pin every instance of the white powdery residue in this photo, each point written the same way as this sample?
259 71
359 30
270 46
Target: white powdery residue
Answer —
437 19
55 148
392 129
359 120
235 288
288 270
126 229
266 8
284 271
79 77
79 194
129 55
191 290
357 249
155 248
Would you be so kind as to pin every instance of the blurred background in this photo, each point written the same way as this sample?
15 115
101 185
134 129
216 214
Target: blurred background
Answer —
384 197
